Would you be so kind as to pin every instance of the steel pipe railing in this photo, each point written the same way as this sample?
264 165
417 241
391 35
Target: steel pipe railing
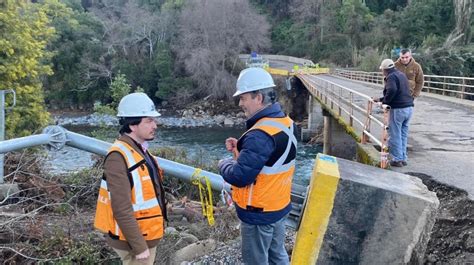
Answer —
56 137
453 86
24 142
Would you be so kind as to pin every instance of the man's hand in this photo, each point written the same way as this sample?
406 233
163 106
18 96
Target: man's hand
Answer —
230 144
144 255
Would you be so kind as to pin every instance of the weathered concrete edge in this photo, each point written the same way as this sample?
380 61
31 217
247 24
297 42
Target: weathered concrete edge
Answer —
421 236
367 154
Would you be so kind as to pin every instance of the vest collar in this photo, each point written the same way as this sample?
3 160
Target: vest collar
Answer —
134 144
272 111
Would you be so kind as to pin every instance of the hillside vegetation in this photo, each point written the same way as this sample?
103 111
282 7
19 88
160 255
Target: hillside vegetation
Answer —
61 54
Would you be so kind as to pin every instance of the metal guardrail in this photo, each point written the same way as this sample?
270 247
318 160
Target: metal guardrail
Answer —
453 86
286 58
56 137
303 70
353 107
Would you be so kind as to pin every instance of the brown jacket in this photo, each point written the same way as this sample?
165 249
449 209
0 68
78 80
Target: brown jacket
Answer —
115 171
414 74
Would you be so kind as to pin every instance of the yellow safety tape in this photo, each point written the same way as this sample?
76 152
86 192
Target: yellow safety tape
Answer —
317 212
205 195
275 71
308 71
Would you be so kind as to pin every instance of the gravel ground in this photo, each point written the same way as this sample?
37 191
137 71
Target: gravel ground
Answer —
229 252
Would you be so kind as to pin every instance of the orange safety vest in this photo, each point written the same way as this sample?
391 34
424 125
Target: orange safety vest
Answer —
146 206
271 190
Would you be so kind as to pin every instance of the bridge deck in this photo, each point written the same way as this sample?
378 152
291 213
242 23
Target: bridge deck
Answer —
441 138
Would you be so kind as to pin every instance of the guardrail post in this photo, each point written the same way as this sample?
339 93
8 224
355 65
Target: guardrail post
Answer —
2 124
463 88
444 86
351 118
428 81
339 102
364 139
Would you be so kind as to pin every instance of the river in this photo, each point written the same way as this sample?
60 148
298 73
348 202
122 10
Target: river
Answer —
200 144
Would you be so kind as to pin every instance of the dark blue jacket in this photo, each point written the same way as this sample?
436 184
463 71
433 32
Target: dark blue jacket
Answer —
396 92
257 148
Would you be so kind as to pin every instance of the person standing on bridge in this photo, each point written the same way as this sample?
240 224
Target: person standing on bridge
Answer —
131 205
261 171
396 94
407 65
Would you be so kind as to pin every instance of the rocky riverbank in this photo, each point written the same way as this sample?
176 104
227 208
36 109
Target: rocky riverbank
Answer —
204 114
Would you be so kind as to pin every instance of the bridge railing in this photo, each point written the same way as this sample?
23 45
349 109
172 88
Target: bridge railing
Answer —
453 86
354 108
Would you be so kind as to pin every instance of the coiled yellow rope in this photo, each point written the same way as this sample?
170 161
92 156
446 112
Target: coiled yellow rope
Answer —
205 194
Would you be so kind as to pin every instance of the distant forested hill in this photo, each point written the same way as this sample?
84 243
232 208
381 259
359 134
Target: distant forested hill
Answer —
73 53
358 33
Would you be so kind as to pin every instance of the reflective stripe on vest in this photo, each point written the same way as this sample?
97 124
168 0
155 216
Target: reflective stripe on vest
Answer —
146 207
271 190
278 166
139 203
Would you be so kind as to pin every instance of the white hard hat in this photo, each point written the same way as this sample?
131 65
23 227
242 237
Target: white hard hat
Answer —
387 64
253 79
137 105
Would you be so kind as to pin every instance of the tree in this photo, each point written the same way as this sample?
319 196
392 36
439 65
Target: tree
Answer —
422 18
134 36
278 9
211 35
25 33
384 34
379 7
119 89
355 19
461 33
77 43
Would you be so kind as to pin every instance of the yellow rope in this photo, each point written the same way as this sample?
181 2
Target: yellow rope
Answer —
205 194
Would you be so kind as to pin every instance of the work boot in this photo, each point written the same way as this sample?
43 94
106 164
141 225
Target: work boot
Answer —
404 163
396 163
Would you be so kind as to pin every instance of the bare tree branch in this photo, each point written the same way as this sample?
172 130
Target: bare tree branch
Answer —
211 35
28 257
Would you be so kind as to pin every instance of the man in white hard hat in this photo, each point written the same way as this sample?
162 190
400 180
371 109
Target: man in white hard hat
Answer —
262 169
131 205
397 95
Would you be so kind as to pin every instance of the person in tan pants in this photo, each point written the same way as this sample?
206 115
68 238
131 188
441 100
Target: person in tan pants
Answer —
131 206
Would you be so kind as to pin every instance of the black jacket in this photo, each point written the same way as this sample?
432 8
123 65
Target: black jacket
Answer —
396 92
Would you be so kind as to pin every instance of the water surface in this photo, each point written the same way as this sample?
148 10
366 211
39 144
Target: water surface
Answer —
201 144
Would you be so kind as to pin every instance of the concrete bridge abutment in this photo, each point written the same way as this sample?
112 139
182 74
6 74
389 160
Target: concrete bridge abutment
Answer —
337 142
359 214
